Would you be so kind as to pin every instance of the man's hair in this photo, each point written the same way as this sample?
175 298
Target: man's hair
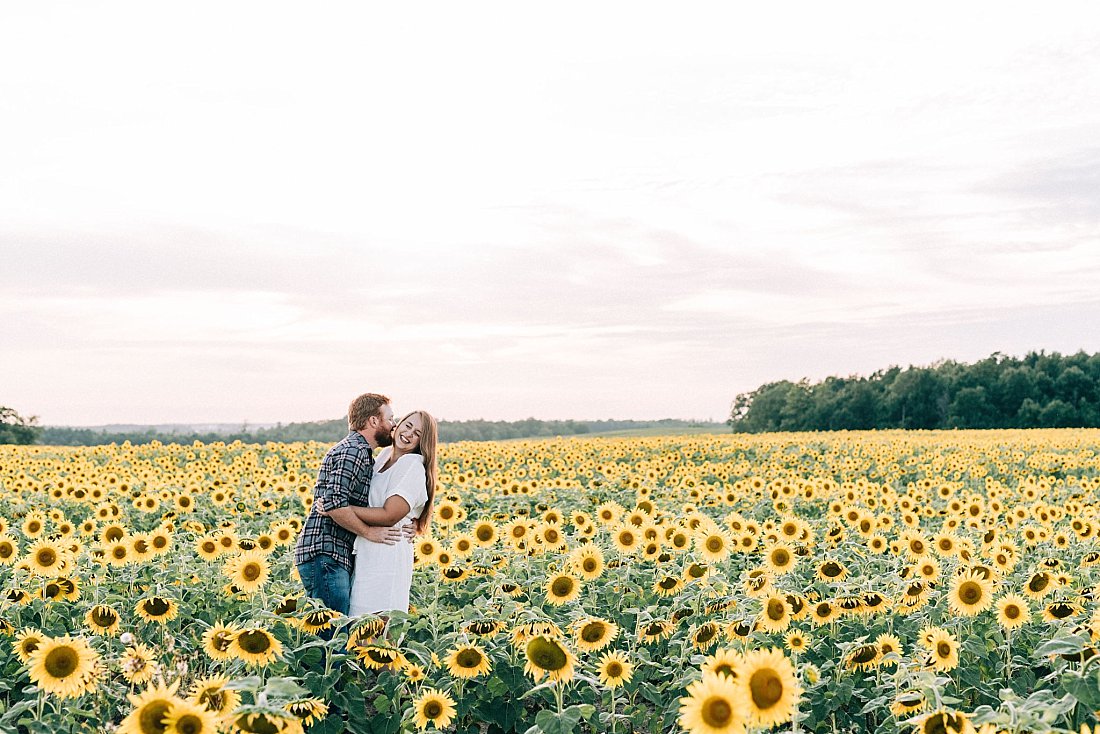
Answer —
364 407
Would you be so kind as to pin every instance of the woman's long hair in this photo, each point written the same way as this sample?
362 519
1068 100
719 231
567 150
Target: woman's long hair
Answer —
429 439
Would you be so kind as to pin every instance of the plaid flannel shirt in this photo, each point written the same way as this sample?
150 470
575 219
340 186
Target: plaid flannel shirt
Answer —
343 479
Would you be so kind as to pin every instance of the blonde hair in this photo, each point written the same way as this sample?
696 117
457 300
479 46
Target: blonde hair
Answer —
363 408
429 439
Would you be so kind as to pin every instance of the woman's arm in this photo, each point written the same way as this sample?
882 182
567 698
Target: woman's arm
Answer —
395 509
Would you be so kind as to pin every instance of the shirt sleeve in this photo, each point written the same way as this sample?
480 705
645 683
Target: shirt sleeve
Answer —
334 491
411 484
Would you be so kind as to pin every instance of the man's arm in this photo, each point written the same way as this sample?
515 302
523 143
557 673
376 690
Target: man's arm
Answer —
395 509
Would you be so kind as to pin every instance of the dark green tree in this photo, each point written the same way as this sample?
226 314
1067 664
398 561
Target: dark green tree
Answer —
16 429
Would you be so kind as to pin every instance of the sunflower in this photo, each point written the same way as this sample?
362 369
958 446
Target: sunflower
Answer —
268 722
712 706
970 594
26 642
908 702
723 662
485 533
889 645
547 656
830 570
1060 610
64 666
943 722
9 550
943 650
594 633
776 615
780 559
255 646
562 588
157 609
319 620
524 633
102 619
797 642
211 693
138 664
46 559
668 585
185 717
208 547
656 630
705 636
217 639
379 657
1039 585
468 661
713 546
824 612
434 707
614 669
249 571
767 687
863 657
588 562
1012 611
151 707
627 539
308 710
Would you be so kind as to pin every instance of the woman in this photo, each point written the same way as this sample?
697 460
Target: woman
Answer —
401 490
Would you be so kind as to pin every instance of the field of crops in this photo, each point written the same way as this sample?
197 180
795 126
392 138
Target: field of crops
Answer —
862 582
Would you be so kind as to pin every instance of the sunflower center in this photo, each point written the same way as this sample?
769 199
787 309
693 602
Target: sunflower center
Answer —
781 557
254 641
546 654
156 606
468 658
593 632
970 592
189 724
614 670
831 569
717 712
776 610
589 565
1038 583
1012 611
433 709
865 654
766 688
562 586
46 557
251 571
943 649
61 662
714 544
151 718
103 616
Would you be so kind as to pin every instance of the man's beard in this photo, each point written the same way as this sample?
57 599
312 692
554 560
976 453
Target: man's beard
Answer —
383 438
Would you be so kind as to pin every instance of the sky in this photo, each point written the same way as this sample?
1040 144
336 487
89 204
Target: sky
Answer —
222 212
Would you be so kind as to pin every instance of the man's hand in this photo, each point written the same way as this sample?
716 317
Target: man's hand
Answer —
385 536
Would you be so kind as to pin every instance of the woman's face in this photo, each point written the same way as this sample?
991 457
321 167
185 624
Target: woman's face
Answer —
406 437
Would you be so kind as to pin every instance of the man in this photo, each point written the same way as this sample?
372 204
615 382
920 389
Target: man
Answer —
323 553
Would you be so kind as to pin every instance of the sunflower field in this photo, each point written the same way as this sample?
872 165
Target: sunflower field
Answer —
844 582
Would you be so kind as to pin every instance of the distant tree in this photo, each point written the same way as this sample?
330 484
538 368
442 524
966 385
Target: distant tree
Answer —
15 429
1040 390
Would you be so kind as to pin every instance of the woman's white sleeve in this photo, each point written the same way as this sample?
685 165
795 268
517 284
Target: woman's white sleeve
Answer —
412 484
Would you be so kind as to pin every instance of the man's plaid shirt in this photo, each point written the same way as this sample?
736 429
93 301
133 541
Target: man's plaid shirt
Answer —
343 479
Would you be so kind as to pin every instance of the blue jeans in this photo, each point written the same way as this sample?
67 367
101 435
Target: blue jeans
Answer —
327 580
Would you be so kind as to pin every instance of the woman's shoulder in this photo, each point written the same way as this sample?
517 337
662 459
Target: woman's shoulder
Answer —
411 460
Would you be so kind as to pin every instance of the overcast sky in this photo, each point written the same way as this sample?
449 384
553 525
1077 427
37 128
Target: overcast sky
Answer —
256 211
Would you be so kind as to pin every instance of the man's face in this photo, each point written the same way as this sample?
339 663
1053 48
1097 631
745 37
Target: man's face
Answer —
383 433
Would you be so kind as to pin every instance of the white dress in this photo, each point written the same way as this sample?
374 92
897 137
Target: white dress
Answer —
383 573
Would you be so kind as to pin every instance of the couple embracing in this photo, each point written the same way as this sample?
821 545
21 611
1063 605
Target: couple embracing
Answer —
354 552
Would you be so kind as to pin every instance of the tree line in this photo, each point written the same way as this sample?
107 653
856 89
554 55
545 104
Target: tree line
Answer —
333 430
1039 390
